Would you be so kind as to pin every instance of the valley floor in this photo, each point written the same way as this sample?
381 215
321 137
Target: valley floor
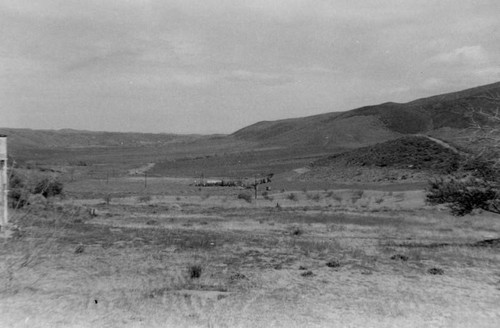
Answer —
207 258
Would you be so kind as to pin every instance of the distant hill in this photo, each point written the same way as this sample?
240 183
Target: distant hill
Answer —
375 124
282 143
68 138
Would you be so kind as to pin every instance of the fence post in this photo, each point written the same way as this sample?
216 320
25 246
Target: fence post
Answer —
4 185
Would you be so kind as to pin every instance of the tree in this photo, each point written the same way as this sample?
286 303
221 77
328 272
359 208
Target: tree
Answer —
476 185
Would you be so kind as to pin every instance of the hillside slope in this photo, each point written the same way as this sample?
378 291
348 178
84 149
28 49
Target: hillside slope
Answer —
374 124
409 158
414 152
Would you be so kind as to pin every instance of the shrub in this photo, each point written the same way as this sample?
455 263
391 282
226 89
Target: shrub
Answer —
399 257
464 195
245 196
195 271
435 271
21 187
333 264
292 197
316 197
18 198
296 231
481 168
48 187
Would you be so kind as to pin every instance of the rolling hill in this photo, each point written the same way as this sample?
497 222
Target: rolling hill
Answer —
279 144
374 124
69 138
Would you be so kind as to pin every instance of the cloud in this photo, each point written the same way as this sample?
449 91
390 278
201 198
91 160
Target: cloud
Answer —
432 83
490 73
464 55
192 79
258 78
205 56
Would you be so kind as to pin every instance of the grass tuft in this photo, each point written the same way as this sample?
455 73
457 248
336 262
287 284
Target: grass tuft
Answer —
293 197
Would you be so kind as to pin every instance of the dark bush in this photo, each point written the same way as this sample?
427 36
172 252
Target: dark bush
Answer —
481 168
48 187
195 271
435 271
296 231
399 257
18 198
333 264
464 195
22 186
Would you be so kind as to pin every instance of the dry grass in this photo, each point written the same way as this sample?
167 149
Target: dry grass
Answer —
221 262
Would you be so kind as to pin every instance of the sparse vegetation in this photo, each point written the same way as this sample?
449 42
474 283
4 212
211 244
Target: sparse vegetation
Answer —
333 264
245 196
107 198
356 195
477 184
410 152
476 188
214 262
435 271
266 196
307 274
464 195
21 187
144 199
314 196
399 257
296 231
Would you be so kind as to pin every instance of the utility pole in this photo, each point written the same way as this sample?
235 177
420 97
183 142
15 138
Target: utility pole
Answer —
255 187
145 179
4 185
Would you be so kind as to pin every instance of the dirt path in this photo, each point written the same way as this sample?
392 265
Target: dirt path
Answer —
444 144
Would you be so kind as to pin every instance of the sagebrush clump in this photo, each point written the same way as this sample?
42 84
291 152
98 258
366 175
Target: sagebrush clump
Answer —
21 187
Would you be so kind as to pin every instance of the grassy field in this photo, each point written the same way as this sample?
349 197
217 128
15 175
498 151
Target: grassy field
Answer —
168 254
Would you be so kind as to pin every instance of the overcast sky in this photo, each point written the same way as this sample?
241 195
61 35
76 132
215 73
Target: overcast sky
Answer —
214 66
